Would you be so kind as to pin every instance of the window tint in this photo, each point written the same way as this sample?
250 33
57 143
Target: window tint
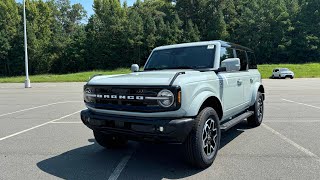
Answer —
252 60
226 53
243 60
195 57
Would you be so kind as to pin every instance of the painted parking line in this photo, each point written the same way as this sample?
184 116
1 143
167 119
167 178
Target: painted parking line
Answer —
36 107
122 164
299 147
26 130
301 103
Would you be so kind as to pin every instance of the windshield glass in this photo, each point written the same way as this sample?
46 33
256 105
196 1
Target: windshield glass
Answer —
284 69
196 57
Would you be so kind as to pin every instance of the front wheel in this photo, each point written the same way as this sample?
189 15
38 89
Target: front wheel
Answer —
258 109
109 141
203 142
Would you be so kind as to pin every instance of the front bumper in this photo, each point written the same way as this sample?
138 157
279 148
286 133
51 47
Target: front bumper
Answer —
169 130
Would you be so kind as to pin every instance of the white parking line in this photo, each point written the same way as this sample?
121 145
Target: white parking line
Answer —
122 164
302 149
23 110
15 134
301 103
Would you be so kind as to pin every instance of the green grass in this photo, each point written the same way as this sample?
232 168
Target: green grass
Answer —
75 77
311 70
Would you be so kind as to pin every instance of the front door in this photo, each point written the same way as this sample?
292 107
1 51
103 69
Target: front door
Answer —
232 94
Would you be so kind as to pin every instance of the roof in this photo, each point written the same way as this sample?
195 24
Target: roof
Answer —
203 43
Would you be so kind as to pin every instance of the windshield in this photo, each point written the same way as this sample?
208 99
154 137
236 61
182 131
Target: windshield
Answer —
284 69
196 57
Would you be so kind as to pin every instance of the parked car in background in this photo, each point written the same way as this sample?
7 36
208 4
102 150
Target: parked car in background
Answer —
282 73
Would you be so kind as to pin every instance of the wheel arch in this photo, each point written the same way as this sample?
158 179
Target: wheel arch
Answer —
261 90
213 102
258 87
205 98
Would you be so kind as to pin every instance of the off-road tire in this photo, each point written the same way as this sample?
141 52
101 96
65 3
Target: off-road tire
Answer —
258 109
109 141
194 145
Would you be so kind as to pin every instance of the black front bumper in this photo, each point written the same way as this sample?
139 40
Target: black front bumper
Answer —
170 130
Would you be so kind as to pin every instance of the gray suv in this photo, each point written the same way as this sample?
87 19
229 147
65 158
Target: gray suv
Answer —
187 93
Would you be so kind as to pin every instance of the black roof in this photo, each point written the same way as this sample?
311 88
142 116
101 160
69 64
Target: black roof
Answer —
229 44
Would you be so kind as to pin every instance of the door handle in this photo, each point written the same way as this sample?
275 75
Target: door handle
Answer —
239 82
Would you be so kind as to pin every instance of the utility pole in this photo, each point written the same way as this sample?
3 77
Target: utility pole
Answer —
27 81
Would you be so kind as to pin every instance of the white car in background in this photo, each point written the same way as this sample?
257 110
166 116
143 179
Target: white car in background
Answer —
282 73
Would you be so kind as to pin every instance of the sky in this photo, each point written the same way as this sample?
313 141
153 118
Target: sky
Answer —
87 4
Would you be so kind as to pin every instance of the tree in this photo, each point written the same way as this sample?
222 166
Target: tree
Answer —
68 37
9 25
306 36
191 33
135 35
176 30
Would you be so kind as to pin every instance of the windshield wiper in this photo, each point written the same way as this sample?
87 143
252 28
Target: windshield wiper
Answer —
183 67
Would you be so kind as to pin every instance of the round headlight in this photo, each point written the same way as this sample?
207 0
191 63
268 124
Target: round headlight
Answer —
167 98
88 94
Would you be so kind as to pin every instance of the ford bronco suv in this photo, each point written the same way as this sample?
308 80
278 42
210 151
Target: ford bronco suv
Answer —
187 93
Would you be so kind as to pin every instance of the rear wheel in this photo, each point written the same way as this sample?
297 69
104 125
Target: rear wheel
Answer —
109 141
258 109
203 142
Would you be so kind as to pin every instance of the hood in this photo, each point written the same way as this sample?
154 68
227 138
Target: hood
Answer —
156 78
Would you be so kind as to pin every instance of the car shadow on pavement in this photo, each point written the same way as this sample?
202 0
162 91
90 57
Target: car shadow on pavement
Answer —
149 161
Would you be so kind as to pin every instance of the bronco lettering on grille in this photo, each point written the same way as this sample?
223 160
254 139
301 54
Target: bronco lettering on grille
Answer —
120 97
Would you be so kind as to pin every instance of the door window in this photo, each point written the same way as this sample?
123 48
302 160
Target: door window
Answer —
242 55
226 53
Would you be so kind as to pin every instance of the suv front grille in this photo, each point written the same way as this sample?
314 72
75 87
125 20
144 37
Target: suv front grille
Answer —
122 98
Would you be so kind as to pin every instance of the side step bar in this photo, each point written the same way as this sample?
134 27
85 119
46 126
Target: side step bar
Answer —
229 124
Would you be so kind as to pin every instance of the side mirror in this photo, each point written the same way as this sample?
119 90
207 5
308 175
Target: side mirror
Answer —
134 67
231 64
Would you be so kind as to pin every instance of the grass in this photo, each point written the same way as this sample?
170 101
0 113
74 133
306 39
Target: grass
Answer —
75 77
311 70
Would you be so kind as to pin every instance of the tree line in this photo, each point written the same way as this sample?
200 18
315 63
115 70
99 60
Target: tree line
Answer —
63 39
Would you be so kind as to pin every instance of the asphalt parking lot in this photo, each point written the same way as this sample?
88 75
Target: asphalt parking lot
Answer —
41 137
